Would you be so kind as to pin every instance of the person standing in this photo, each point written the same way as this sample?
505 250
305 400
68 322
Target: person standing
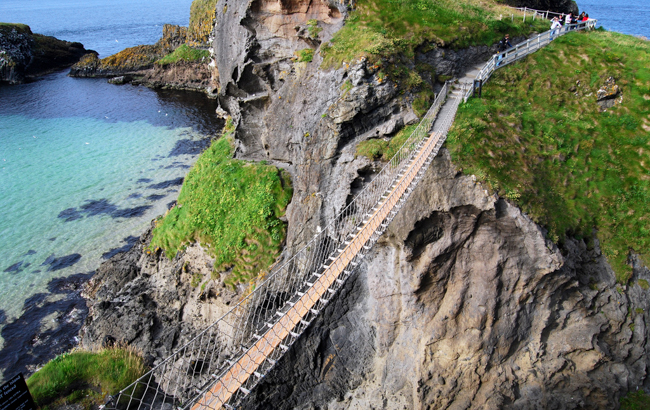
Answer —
504 44
555 24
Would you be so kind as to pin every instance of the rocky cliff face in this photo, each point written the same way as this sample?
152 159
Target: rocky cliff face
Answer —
25 55
464 304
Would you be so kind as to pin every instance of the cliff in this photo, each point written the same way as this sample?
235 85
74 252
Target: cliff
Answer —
464 302
25 55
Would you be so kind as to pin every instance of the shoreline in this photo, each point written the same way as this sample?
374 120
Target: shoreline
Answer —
49 321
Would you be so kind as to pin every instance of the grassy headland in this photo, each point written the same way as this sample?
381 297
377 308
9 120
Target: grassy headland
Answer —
233 207
82 377
20 28
539 138
381 28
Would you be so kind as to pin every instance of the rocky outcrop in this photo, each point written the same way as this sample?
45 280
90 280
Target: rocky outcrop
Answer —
144 299
193 76
133 60
137 65
464 304
25 55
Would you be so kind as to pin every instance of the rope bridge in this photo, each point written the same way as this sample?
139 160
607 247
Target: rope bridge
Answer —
223 363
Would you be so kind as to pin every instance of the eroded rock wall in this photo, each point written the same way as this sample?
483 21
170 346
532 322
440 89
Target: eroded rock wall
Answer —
463 304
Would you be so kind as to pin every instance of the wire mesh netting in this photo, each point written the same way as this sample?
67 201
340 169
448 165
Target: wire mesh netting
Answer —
224 362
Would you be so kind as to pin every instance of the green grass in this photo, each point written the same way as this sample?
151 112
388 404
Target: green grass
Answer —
644 284
379 149
202 16
184 53
637 400
20 28
538 137
380 28
305 55
314 30
233 207
86 377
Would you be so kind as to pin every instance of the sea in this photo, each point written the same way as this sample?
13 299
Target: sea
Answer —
85 166
624 16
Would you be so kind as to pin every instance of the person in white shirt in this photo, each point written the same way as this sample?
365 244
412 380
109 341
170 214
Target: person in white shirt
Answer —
555 24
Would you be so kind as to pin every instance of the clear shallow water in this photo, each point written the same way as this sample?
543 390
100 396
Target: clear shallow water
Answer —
84 167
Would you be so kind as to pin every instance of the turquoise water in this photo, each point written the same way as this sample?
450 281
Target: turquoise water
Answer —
84 168
53 164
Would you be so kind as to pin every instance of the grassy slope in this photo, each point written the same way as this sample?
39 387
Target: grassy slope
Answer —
385 27
184 53
388 33
85 377
384 150
20 28
539 139
232 206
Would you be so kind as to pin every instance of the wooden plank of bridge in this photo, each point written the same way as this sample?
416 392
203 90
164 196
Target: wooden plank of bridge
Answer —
240 371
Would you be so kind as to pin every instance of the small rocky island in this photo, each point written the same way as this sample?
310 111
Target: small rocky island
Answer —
176 61
25 55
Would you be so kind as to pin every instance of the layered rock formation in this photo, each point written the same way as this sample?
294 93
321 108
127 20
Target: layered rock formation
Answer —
25 55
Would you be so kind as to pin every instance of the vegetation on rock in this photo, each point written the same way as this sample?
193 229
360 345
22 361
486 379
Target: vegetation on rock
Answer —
184 53
385 27
380 149
637 400
83 377
305 55
231 206
539 138
202 16
132 58
19 28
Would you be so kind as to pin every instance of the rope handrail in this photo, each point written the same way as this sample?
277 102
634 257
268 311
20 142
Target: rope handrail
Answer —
199 365
523 49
